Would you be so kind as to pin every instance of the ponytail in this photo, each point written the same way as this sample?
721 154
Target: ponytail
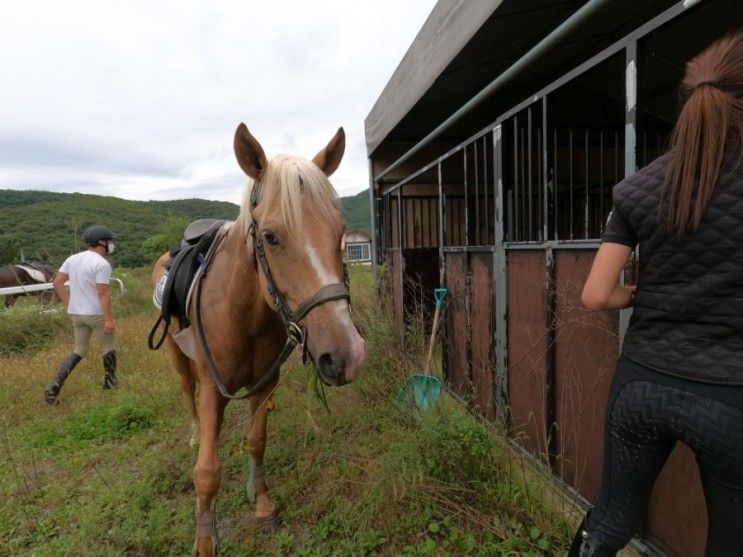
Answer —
709 126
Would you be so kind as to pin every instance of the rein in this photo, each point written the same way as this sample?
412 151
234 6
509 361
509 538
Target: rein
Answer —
295 334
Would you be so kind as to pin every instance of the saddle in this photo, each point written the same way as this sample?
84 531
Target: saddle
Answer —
173 291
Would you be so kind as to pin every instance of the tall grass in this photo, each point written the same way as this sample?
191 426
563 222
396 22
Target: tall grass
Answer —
108 473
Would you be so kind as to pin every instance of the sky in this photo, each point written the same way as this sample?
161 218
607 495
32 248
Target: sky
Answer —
140 99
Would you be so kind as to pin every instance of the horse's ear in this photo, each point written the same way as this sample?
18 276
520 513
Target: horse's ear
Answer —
249 153
329 158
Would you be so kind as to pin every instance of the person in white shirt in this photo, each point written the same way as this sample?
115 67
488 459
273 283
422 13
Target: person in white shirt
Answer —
89 306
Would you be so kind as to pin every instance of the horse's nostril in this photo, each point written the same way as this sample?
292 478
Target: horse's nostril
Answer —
331 368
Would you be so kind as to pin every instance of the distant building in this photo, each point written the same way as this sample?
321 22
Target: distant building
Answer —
358 247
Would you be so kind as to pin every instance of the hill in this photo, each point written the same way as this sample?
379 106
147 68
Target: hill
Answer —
46 224
357 210
50 225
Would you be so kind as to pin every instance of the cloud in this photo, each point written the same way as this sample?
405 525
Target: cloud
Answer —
141 99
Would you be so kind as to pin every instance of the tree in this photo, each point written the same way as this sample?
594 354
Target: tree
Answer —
10 247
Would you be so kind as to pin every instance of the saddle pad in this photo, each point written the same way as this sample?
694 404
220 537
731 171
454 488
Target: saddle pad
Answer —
157 293
35 274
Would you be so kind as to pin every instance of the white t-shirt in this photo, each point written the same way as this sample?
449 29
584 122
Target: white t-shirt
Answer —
86 269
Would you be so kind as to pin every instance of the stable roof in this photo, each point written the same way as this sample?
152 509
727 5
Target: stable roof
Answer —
464 45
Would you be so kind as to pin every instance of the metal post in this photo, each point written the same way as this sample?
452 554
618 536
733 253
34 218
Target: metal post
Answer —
499 287
374 222
442 227
630 156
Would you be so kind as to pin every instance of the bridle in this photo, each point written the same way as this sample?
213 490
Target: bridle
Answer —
296 335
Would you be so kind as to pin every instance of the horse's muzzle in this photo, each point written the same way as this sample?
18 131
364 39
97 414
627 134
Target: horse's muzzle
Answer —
336 370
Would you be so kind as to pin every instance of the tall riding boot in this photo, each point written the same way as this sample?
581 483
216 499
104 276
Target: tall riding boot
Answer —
584 546
65 368
109 368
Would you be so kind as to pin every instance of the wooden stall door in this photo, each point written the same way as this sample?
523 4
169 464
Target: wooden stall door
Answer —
527 348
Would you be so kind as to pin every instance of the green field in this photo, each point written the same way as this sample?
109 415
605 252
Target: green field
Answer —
109 473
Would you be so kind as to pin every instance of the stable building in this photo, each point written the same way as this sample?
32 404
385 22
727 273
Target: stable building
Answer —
493 150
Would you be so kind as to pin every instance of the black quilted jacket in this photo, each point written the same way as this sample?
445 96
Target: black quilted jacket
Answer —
688 308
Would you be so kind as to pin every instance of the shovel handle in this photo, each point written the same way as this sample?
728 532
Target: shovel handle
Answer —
439 295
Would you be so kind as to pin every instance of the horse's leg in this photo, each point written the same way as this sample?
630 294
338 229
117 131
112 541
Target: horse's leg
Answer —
206 473
10 300
265 511
182 365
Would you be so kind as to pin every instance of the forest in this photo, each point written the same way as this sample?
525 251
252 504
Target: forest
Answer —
49 226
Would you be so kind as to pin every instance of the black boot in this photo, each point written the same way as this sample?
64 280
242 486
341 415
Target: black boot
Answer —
65 368
109 368
584 546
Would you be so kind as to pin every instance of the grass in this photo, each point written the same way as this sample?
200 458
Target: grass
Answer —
109 473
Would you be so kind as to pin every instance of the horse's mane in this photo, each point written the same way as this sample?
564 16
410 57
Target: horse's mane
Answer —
288 182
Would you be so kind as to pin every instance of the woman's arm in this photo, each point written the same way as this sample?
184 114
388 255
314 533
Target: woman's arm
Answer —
601 290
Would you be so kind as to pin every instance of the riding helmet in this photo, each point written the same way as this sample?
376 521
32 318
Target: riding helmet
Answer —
95 234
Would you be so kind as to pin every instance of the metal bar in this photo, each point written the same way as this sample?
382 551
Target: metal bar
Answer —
555 184
556 245
570 179
541 48
373 222
478 239
442 227
485 182
529 165
540 188
585 211
545 171
401 299
469 249
466 199
500 332
516 206
601 181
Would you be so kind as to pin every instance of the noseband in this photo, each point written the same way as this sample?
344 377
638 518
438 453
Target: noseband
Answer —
295 333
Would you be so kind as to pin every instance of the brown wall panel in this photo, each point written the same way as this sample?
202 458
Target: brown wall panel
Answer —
527 347
483 372
456 325
585 356
677 515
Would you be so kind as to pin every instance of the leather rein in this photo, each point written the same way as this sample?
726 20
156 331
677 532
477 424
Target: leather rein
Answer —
296 335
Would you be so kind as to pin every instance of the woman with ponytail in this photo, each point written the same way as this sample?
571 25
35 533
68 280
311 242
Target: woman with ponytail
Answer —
680 374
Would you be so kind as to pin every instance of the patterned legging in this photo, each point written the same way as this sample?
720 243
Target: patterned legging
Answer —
647 413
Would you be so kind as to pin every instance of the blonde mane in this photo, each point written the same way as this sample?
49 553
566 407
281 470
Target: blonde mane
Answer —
288 183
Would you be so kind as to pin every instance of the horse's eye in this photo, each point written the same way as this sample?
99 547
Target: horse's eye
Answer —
271 238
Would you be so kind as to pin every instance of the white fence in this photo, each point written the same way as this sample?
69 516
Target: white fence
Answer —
28 288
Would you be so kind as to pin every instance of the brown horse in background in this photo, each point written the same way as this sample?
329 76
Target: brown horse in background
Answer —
26 273
284 250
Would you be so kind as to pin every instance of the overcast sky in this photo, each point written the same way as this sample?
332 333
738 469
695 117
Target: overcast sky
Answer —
140 99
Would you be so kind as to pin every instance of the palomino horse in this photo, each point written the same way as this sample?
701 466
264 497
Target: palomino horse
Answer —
28 272
283 252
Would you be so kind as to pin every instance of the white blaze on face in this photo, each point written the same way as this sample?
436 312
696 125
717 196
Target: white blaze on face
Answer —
326 277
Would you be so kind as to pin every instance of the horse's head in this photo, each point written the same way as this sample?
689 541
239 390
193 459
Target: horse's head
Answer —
293 211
